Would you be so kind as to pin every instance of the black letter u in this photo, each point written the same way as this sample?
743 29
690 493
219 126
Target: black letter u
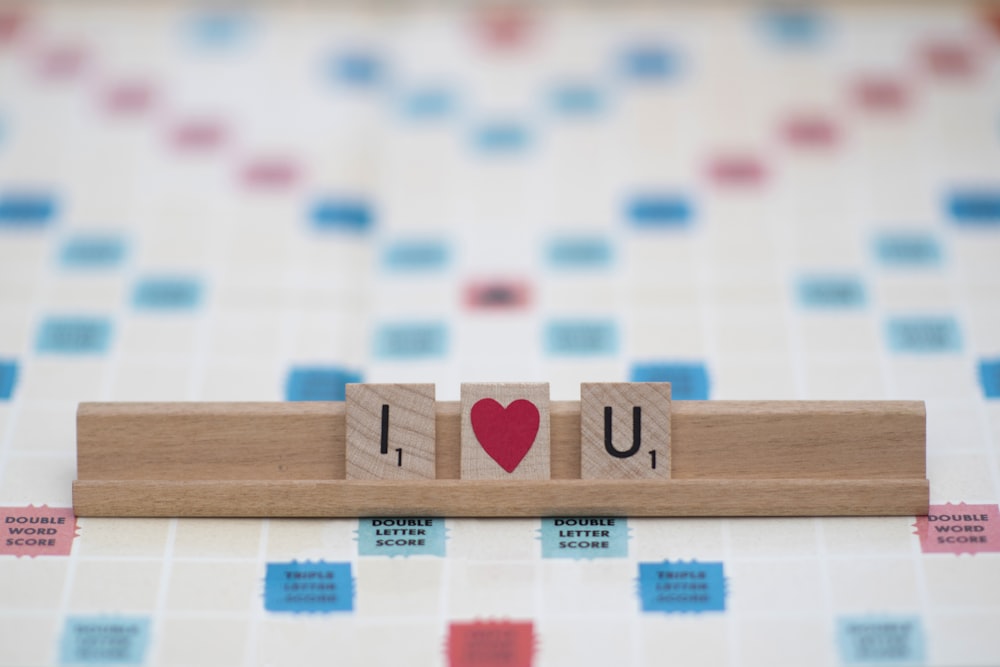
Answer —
636 433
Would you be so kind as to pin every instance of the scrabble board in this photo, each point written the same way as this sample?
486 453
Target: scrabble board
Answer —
269 203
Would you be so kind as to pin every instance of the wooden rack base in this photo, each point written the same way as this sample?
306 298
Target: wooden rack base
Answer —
729 458
454 498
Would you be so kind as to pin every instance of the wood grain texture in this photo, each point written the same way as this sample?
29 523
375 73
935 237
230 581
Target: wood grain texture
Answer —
798 439
407 415
210 440
710 439
487 498
610 407
810 445
501 435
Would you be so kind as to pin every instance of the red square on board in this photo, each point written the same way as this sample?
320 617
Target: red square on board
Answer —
270 173
810 131
497 295
491 644
948 59
197 134
881 93
736 170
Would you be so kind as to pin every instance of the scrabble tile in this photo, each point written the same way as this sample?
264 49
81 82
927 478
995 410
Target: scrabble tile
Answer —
390 431
625 430
505 431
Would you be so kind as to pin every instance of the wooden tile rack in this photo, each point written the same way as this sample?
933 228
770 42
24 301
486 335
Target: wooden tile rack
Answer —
727 458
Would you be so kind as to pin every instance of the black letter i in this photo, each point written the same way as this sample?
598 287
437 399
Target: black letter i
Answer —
384 449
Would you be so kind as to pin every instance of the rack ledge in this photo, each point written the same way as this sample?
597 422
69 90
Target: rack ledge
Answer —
457 498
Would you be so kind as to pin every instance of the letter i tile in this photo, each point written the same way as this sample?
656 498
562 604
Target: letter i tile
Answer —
390 431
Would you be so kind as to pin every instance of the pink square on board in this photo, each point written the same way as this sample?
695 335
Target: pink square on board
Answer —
37 531
959 529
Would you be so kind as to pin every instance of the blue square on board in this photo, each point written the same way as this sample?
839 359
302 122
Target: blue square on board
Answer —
163 293
342 214
357 68
105 640
922 334
8 378
577 99
74 335
659 212
989 377
218 29
795 27
318 383
581 338
411 340
92 252
831 292
682 587
880 640
907 249
415 256
306 587
501 137
688 380
427 103
650 62
580 253
26 210
978 207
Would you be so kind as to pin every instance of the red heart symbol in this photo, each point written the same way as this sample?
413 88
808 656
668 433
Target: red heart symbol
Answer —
506 434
